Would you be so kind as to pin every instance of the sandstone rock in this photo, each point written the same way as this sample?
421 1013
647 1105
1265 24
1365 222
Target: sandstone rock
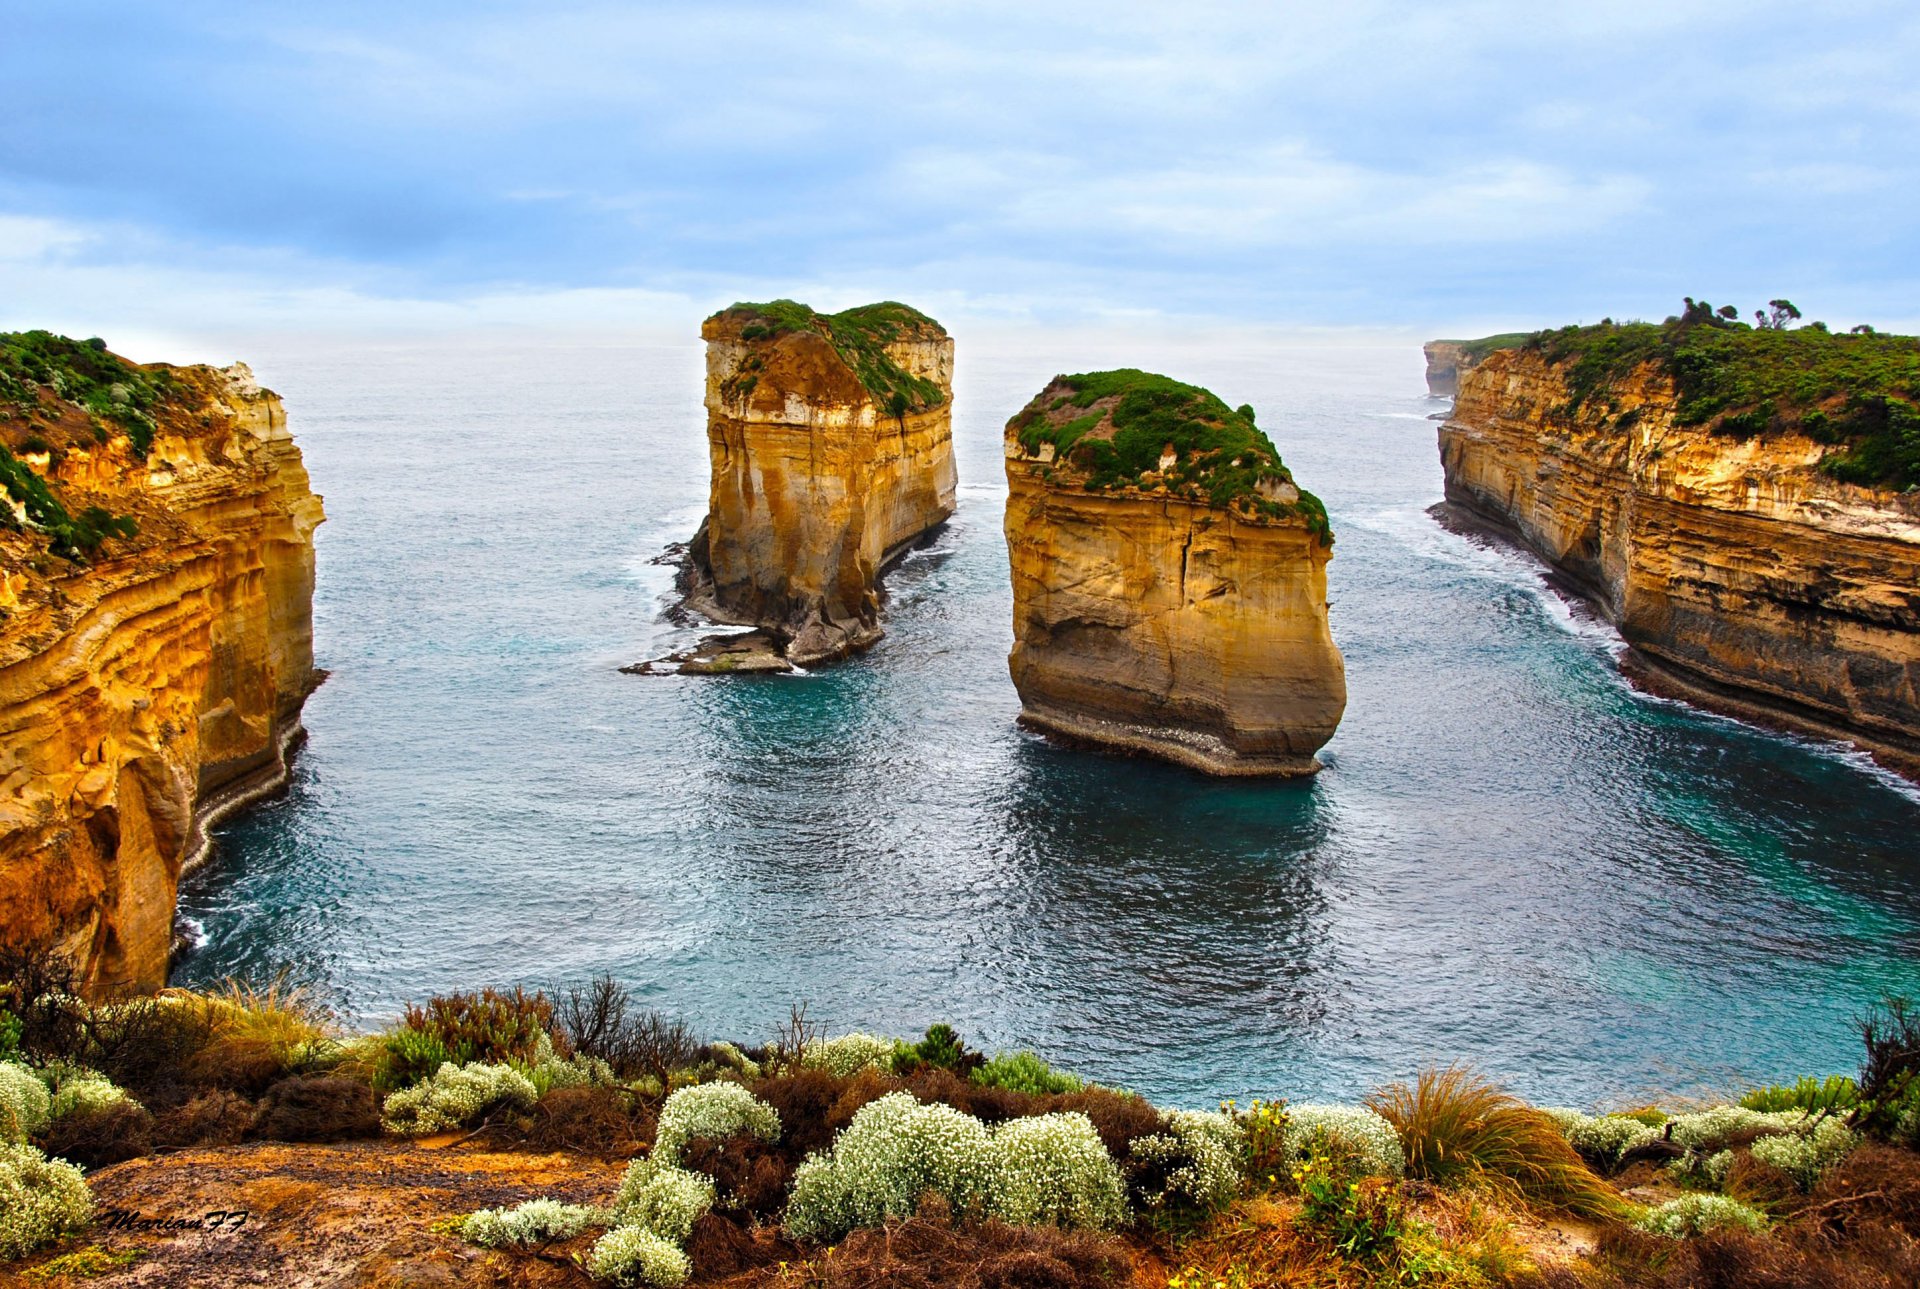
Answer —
158 682
1743 576
1169 579
832 452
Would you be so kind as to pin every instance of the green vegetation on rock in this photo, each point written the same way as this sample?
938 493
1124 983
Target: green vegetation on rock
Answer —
860 336
1476 350
83 373
76 536
1113 427
1859 391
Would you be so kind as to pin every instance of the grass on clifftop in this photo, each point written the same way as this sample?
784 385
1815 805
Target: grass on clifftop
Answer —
1479 349
1114 426
1859 391
860 336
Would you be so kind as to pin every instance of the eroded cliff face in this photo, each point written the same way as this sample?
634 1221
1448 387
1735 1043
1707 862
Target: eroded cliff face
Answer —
1446 362
1151 617
828 462
1742 575
160 681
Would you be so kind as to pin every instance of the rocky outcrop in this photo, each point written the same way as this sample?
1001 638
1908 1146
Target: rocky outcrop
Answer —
1445 361
151 672
831 443
1169 579
1743 574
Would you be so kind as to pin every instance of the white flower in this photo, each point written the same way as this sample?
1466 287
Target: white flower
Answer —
534 1222
715 1110
24 1103
633 1255
1698 1213
662 1198
849 1054
457 1096
41 1200
1368 1138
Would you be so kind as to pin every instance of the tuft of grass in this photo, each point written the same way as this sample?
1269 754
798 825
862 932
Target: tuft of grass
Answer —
259 1033
1459 1127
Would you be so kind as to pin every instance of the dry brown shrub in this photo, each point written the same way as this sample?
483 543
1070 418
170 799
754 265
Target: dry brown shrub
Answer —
720 1246
1758 1183
750 1176
1875 1186
217 1118
929 1252
95 1138
607 1122
1629 1259
320 1108
813 1105
1120 1119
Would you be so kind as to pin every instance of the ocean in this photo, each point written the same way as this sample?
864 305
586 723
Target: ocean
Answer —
1512 858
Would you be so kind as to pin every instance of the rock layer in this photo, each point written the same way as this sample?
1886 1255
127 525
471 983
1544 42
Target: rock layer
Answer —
1742 575
831 444
1182 613
158 684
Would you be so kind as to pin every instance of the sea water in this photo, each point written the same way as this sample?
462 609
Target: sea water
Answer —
1511 859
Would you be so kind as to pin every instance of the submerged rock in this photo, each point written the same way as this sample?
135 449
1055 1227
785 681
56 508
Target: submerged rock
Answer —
1169 579
831 443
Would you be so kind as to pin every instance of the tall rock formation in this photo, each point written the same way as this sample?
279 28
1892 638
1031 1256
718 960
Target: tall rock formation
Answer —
1169 579
1738 502
156 644
831 441
1449 361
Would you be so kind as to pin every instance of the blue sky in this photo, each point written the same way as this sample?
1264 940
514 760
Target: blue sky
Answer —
1437 167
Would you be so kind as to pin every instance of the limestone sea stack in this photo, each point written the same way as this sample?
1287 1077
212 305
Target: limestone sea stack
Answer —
1169 579
831 441
156 642
1740 502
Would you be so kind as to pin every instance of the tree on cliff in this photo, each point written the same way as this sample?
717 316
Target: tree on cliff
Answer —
1779 315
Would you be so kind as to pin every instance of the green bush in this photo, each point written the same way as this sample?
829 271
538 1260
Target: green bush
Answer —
1025 1072
41 1200
849 1054
1813 1096
537 1221
25 1105
1360 1216
633 1255
1697 1214
662 1198
714 1110
457 1096
78 1091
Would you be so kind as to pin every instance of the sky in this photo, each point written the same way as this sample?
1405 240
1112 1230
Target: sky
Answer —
1452 167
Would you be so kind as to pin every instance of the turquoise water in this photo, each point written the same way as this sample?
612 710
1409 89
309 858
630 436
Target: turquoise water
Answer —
1511 858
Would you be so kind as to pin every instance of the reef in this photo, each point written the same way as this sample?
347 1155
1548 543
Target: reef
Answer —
1169 579
1739 502
156 642
831 442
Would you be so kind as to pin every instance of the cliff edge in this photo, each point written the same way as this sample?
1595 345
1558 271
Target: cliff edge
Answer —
831 442
1169 579
156 641
1740 502
1448 361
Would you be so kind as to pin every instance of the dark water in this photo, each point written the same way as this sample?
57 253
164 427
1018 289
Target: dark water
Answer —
1511 858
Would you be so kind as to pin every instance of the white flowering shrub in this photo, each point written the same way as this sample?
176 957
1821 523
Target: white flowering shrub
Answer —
456 1097
41 1200
1698 1213
893 1152
633 1255
716 1110
1602 1140
25 1105
579 1072
663 1198
1367 1138
1201 1159
534 1222
1053 1169
1805 1156
849 1054
77 1091
729 1055
1711 1130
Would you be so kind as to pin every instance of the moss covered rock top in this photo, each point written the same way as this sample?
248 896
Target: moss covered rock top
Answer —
1859 392
1136 430
860 337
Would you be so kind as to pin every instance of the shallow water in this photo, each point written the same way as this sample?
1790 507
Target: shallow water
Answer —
1511 858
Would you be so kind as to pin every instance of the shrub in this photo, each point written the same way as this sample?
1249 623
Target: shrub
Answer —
1602 1140
941 1049
597 1019
592 1120
95 1136
930 1253
456 1097
1051 1169
217 1118
1360 1217
633 1255
538 1221
1368 1141
1831 1095
1025 1072
1805 1156
717 1110
849 1054
491 1027
1195 1168
814 1106
24 1103
259 1035
1458 1126
1697 1214
553 1074
41 1200
321 1108
726 1054
662 1198
894 1151
81 1091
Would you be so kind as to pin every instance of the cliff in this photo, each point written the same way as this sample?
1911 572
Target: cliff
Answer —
1735 501
156 578
1448 361
1169 579
831 443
